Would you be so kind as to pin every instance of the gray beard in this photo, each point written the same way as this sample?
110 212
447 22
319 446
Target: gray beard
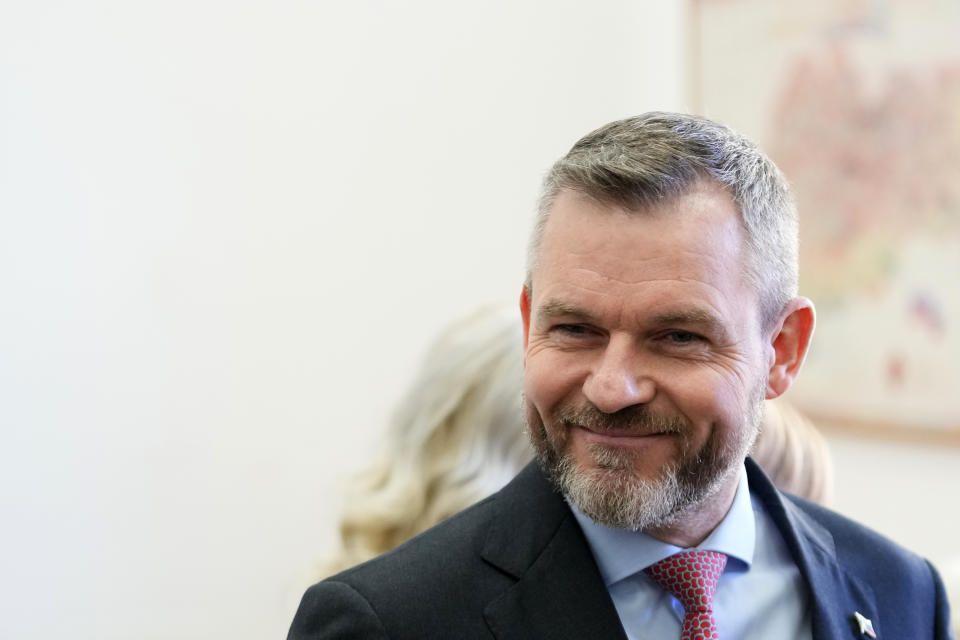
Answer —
613 495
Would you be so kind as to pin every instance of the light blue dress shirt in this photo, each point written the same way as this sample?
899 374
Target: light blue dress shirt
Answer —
761 594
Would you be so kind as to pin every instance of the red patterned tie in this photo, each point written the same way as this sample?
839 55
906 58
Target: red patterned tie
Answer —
691 577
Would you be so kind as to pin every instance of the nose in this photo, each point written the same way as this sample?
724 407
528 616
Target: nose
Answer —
617 382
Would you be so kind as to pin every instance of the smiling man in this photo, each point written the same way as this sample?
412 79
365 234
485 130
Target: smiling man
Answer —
660 311
647 360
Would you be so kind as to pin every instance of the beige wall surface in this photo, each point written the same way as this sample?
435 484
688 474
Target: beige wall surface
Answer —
227 230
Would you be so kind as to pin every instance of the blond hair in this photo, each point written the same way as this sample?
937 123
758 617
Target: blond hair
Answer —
456 437
791 450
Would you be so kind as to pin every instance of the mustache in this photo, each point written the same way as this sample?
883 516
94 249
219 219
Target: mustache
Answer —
639 420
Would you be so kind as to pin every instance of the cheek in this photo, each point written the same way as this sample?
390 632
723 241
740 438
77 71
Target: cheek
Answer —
710 399
548 444
546 381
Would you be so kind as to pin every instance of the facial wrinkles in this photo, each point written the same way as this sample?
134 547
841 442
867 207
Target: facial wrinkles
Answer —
728 349
703 273
708 296
643 292
639 270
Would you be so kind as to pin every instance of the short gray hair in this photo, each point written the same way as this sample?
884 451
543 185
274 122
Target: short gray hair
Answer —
648 159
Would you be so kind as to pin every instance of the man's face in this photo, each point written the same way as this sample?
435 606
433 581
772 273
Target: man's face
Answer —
645 360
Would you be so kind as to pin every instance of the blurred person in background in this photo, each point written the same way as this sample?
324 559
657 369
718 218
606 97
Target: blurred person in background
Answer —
793 453
455 437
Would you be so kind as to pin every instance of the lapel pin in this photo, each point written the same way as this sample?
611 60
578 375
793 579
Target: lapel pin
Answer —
866 627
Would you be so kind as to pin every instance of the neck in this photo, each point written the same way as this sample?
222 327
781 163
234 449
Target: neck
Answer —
692 527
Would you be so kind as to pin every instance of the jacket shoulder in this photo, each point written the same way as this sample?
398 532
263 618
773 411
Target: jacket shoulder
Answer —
859 548
846 564
899 579
443 578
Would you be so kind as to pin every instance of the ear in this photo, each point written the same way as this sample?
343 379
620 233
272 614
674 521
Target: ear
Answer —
525 314
789 340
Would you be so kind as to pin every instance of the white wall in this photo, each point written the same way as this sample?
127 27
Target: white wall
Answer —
227 229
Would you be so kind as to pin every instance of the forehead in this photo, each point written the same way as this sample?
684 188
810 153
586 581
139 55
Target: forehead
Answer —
688 253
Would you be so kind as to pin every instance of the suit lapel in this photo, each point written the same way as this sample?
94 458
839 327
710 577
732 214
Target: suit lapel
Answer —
559 593
834 593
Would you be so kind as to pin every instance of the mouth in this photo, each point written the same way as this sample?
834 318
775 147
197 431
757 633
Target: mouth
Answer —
616 437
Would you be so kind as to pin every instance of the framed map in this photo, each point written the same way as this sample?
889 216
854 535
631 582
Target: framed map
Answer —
859 103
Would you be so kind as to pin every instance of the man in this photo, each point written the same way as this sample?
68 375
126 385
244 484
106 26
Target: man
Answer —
659 311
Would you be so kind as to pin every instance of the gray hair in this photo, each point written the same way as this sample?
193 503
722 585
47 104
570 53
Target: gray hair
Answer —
648 159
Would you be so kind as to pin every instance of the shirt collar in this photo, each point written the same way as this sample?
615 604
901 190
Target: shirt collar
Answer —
620 553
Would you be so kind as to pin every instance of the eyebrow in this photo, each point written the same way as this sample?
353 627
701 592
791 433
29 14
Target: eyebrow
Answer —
557 308
679 317
694 317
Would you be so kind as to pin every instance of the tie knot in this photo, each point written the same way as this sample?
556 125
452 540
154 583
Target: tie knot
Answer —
691 577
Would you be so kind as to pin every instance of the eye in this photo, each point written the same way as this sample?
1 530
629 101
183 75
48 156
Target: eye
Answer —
572 329
681 337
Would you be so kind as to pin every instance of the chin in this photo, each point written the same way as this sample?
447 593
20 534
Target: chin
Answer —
613 494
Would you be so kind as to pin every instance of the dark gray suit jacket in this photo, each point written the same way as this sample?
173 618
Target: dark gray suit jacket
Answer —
517 565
